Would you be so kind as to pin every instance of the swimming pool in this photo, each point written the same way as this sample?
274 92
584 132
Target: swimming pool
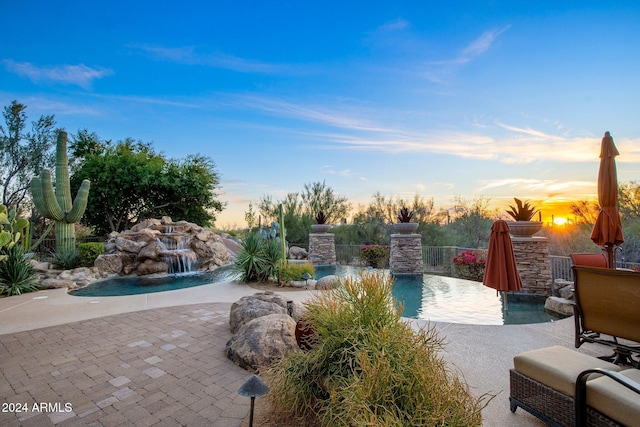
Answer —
449 299
429 297
121 286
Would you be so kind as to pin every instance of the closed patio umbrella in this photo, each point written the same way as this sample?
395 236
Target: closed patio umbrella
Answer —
501 271
607 231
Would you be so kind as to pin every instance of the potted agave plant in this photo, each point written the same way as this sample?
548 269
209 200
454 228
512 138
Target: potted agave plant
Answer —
321 225
404 224
522 213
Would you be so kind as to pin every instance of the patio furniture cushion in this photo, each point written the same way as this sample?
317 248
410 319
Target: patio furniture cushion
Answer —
614 400
591 260
557 367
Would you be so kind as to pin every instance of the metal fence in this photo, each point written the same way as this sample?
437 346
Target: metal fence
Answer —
48 246
561 267
439 259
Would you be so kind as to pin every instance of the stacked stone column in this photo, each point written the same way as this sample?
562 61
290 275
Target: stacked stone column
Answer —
406 254
322 249
534 265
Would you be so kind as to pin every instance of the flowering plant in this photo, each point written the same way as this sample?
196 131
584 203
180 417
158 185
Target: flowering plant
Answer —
470 264
375 255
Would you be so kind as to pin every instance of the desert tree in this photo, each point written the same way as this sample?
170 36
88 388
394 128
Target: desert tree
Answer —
23 153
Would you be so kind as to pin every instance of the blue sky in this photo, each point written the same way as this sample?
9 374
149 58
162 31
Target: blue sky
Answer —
467 98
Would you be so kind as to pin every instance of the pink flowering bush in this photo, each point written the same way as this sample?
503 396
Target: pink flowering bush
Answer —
375 255
470 264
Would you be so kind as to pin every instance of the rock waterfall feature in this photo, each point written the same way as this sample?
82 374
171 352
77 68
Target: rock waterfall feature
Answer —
163 246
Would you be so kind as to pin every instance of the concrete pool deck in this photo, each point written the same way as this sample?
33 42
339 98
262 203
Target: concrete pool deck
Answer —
158 359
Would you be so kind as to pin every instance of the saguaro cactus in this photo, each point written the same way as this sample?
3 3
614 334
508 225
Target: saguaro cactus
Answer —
57 205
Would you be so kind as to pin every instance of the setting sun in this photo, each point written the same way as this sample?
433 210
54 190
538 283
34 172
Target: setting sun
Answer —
560 221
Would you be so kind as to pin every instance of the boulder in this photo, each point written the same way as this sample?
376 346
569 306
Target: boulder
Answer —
147 223
262 341
152 267
130 246
328 282
109 263
296 252
80 274
53 283
39 265
557 305
253 306
151 251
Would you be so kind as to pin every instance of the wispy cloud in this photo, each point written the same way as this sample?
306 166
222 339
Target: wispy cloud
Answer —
437 71
481 44
393 25
190 56
333 117
358 129
79 75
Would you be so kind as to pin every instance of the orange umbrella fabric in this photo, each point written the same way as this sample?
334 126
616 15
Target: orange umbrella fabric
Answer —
501 271
607 230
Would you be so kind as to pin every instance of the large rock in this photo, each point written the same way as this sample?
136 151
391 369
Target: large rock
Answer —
40 265
151 251
560 306
253 306
263 341
52 283
152 267
109 263
130 246
328 282
147 223
80 274
296 252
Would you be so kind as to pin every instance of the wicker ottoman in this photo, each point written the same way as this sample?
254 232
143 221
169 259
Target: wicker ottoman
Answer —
543 382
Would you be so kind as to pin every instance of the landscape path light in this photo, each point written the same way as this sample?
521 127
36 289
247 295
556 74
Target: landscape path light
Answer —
253 387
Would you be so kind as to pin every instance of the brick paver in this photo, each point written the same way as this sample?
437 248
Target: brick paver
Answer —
156 367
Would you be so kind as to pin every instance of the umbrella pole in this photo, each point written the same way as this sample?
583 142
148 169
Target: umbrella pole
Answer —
611 259
506 300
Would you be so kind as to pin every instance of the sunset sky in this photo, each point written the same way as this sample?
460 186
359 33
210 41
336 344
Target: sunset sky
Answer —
442 99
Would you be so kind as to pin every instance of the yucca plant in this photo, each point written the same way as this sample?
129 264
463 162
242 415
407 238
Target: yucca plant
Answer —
522 211
321 218
368 367
66 259
17 276
405 215
273 260
251 259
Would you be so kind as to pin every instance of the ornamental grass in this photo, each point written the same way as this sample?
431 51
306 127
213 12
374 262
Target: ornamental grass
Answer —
369 367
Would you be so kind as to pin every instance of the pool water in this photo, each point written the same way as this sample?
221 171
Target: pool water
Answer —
429 297
145 285
449 299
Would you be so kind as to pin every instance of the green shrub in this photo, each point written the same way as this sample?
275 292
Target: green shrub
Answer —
17 276
66 259
369 367
375 255
88 252
294 271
